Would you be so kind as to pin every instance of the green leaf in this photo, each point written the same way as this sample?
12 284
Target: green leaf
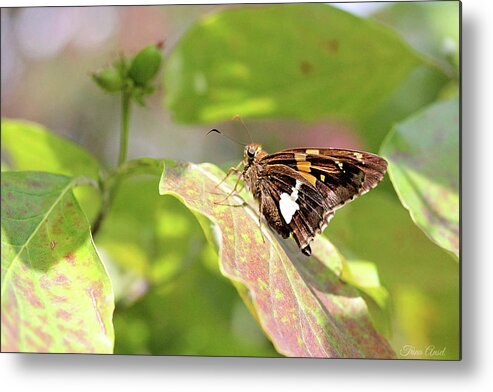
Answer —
30 146
376 227
364 275
56 295
303 61
437 34
421 88
423 155
300 302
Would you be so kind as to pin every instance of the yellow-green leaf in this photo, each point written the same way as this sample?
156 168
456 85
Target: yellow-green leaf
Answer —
56 295
423 155
30 146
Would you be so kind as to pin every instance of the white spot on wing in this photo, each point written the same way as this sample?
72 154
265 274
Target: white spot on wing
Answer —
287 203
288 207
359 157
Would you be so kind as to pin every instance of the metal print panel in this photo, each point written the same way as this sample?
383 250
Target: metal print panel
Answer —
269 180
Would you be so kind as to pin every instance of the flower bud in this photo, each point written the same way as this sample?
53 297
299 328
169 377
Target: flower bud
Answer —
109 79
145 65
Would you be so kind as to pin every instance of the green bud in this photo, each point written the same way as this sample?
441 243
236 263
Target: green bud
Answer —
145 65
109 79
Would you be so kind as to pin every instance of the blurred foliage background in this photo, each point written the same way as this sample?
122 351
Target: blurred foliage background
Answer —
171 297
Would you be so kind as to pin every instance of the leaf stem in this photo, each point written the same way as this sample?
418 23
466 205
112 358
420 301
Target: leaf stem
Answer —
125 119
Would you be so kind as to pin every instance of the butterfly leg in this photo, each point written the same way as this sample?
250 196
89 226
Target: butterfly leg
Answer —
230 193
230 171
231 205
243 203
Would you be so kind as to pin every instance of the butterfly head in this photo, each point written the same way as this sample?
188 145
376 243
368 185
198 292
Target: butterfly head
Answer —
251 151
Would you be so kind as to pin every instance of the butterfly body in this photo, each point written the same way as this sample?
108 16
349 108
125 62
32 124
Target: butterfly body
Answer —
298 190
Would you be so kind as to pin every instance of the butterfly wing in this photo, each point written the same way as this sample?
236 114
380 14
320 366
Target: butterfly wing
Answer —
291 204
308 185
347 173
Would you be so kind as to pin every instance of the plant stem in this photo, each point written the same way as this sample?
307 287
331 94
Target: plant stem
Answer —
110 184
124 127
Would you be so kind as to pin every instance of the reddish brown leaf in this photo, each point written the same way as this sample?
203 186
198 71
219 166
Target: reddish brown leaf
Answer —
300 302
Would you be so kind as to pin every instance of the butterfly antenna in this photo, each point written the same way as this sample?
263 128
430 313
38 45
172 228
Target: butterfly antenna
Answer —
226 136
238 117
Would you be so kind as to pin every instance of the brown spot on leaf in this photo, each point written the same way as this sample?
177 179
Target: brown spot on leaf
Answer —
331 46
10 322
34 300
306 67
70 257
58 299
34 184
61 279
26 287
78 334
63 314
34 346
57 226
44 282
43 336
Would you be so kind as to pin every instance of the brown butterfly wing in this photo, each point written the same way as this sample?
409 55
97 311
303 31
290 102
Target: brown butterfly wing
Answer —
347 173
324 180
312 209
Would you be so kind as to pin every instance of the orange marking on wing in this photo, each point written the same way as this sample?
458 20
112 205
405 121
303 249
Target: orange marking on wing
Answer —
304 166
311 179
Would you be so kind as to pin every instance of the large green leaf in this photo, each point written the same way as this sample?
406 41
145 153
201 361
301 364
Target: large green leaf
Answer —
30 146
300 302
423 155
420 88
439 24
422 281
56 295
303 61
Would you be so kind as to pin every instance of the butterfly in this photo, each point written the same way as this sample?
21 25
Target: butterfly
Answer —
298 190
